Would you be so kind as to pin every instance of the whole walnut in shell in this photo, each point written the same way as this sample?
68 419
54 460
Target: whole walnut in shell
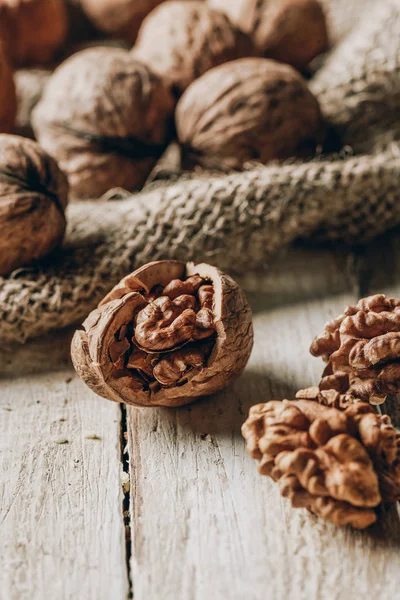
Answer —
166 335
190 39
33 30
248 109
8 100
106 119
339 464
33 197
120 18
361 349
291 31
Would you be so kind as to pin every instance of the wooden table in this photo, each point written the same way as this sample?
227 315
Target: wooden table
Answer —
102 502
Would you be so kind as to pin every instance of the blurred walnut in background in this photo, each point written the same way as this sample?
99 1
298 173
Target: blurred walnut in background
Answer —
106 119
33 198
291 31
33 30
120 18
181 40
248 109
8 101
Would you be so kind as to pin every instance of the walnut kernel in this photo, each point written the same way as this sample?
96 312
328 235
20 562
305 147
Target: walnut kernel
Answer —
168 334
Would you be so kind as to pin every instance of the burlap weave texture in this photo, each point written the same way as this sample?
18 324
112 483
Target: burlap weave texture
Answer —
239 221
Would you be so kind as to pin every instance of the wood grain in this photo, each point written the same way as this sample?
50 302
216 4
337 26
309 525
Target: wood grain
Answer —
204 523
61 525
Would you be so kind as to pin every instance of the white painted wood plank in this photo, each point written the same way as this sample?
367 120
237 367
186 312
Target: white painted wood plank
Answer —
204 523
61 524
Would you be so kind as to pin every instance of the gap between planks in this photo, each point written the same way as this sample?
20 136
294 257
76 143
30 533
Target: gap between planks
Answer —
204 523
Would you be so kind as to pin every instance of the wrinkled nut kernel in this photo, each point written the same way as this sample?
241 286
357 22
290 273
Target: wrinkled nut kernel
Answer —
361 349
166 335
191 39
339 464
120 18
8 99
33 30
33 198
245 110
291 31
106 119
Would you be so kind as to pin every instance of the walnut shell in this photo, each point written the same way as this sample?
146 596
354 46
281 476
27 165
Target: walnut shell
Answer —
169 333
248 109
33 30
33 197
120 18
291 31
191 39
8 99
106 119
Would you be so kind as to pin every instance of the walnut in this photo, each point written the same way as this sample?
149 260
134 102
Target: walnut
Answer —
33 30
8 100
361 349
120 18
33 197
166 335
339 464
106 119
248 109
191 39
291 31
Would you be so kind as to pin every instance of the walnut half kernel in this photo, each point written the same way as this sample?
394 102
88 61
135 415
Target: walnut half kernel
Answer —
340 464
166 335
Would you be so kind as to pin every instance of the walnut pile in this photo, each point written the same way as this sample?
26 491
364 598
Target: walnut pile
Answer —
252 109
8 100
291 31
191 39
33 197
168 334
33 30
339 464
361 349
106 119
120 18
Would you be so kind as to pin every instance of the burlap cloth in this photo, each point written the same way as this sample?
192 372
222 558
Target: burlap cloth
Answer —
239 221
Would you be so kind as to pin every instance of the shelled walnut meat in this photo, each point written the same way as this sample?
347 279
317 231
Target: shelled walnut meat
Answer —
33 198
181 40
291 31
8 100
106 119
166 335
33 30
120 18
339 464
248 109
361 349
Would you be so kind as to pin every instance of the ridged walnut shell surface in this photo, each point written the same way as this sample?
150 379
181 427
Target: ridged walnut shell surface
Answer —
33 197
106 119
229 354
291 31
181 40
33 30
248 109
8 100
120 18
